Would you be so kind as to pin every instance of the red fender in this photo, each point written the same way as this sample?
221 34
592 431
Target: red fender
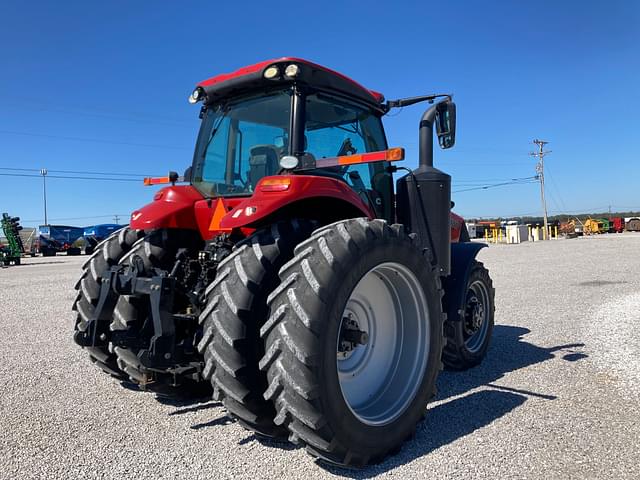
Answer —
185 207
457 223
276 192
172 207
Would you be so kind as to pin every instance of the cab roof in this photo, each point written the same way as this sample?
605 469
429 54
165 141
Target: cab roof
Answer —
310 74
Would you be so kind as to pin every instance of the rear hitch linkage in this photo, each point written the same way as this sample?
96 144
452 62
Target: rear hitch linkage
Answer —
159 288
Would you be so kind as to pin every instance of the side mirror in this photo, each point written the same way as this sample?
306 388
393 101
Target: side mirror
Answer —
446 124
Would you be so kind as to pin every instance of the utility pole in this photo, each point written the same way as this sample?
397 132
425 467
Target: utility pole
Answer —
116 218
540 170
43 172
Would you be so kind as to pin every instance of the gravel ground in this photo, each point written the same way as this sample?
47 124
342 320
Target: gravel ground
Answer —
557 397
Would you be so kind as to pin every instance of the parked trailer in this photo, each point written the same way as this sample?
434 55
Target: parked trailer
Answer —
617 225
472 230
57 238
94 234
633 224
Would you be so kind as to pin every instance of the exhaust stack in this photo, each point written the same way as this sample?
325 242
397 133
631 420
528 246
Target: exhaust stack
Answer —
423 200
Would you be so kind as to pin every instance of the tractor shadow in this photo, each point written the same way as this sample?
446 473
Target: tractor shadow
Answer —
196 404
450 420
189 399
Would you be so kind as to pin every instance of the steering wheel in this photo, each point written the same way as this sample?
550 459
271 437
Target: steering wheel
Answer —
346 148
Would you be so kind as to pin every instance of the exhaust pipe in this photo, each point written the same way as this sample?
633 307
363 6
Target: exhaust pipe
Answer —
426 136
423 201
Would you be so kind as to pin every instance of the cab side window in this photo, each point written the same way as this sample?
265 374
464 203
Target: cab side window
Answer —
336 129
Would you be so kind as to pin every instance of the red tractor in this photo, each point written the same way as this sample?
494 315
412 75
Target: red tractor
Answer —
318 302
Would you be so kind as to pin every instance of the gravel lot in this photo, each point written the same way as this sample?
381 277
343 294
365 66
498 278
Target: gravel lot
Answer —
557 397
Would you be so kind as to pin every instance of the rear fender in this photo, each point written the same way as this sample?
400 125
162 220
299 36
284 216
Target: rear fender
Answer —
172 207
457 224
462 257
311 196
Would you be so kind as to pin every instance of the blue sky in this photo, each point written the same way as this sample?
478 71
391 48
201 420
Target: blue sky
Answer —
102 86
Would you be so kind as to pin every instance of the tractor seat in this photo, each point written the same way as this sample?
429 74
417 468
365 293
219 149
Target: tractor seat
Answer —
263 161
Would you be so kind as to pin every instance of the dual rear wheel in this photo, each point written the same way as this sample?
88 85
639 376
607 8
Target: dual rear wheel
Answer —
353 343
332 338
348 357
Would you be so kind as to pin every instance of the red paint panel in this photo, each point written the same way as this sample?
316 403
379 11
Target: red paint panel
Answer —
456 227
172 208
262 203
238 73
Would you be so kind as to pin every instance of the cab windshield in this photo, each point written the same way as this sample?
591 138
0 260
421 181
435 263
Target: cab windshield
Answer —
240 143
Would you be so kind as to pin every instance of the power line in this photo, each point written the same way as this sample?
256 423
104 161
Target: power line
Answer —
513 181
483 181
93 111
554 185
79 172
21 169
93 140
71 178
143 121
117 215
103 173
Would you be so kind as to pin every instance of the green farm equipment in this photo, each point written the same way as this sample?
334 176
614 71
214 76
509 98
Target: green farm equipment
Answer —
11 252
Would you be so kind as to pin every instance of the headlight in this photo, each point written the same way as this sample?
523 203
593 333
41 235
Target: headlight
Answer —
292 70
196 95
271 72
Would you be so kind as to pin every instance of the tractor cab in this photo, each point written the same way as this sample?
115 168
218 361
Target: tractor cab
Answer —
288 117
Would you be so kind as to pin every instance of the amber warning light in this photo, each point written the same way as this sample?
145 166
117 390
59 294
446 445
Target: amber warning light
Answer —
390 155
172 178
155 181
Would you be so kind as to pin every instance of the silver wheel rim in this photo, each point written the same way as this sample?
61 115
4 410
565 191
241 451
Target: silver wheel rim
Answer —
380 378
475 320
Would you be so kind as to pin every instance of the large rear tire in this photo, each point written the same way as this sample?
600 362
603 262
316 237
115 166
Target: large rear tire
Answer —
469 335
107 254
354 341
236 309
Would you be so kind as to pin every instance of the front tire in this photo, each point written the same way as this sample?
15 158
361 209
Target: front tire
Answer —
354 341
469 335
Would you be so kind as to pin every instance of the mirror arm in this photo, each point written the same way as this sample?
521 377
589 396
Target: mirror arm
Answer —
405 102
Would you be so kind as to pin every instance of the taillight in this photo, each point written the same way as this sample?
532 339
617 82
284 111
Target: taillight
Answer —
274 184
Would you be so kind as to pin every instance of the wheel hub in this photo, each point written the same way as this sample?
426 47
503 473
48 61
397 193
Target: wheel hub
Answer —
351 336
475 316
382 346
